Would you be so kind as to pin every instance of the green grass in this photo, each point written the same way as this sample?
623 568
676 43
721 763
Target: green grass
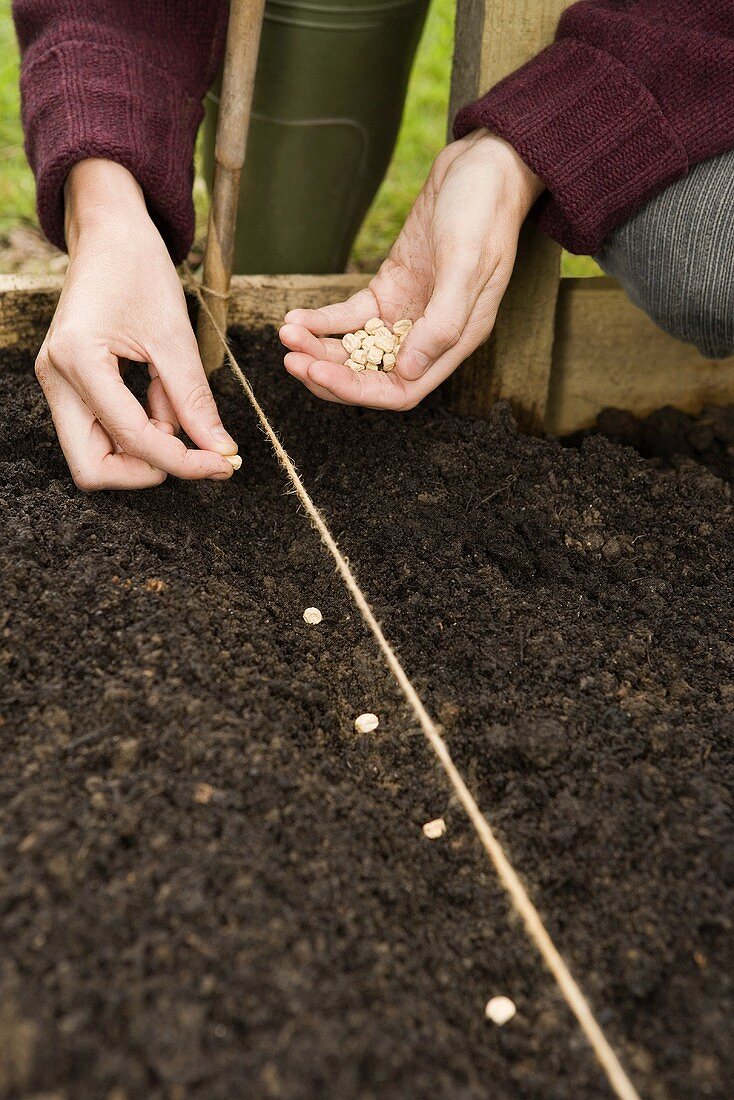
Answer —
421 136
16 182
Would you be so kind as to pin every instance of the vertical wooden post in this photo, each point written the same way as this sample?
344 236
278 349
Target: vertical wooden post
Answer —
494 37
238 79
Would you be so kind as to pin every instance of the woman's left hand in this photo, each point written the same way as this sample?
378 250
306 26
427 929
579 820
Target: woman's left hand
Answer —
447 272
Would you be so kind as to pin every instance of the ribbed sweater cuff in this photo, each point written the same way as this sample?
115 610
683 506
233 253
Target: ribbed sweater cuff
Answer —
590 130
85 99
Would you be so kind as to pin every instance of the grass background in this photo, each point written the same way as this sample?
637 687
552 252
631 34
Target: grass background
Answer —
421 136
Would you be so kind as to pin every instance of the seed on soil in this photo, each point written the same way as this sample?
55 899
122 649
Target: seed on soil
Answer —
366 723
500 1010
350 342
203 793
373 324
434 829
312 616
236 461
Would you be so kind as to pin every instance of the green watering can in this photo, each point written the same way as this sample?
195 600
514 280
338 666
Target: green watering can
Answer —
329 93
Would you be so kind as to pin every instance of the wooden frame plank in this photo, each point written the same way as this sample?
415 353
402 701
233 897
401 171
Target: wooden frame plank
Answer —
27 302
494 37
607 352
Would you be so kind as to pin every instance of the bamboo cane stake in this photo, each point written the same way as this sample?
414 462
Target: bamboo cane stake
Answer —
238 79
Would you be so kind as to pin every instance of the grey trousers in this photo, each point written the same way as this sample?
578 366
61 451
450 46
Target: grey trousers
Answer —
675 257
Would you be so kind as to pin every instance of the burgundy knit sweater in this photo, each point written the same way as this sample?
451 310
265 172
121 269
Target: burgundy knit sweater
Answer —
629 97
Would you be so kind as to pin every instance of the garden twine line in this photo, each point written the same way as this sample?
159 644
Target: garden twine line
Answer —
506 873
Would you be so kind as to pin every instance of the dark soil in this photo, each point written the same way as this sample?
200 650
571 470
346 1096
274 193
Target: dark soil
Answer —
669 436
211 886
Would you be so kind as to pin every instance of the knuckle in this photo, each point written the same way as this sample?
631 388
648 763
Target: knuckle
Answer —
447 333
85 480
60 348
200 400
42 368
127 438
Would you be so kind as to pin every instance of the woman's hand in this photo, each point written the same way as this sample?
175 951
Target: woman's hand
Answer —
122 300
447 271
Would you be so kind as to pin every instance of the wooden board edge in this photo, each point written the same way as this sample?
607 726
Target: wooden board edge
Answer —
608 353
27 302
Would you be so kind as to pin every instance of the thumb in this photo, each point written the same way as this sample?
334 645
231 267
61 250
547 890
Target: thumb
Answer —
445 318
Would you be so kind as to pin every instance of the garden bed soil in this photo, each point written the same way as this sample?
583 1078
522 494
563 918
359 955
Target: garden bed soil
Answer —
211 886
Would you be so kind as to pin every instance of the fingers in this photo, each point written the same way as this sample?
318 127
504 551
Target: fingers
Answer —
341 317
299 339
298 365
336 383
102 390
189 395
90 453
441 328
160 408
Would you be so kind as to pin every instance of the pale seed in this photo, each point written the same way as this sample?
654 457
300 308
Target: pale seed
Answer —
500 1010
312 616
366 723
203 793
388 362
403 327
359 356
236 461
354 365
374 355
350 342
373 324
367 343
385 343
434 829
361 333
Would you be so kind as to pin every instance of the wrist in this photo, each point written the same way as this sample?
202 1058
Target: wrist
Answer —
99 195
523 186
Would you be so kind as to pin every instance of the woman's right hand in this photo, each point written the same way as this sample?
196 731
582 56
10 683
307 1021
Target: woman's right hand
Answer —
122 300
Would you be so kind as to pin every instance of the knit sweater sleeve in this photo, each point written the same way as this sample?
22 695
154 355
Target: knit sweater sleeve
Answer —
123 80
629 97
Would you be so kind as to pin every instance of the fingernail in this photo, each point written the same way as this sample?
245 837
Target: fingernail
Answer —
224 476
235 460
415 360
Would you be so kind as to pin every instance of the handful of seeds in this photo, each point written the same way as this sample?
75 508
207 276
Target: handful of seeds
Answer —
375 347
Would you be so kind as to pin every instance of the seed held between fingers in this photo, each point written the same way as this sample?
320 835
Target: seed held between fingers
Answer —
236 461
